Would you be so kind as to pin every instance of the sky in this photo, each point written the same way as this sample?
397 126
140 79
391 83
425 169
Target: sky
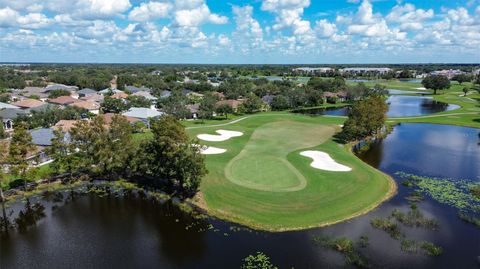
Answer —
240 32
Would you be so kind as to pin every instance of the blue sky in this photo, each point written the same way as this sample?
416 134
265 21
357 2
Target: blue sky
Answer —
234 31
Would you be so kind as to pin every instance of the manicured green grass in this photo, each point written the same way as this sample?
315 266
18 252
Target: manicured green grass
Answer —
261 189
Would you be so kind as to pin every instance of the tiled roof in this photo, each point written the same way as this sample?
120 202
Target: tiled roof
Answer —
29 103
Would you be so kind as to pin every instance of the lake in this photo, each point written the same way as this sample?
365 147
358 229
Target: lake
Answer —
136 232
398 106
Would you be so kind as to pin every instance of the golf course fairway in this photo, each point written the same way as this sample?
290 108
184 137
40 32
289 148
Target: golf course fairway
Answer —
263 182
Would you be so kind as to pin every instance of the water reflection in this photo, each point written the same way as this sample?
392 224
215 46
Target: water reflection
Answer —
134 231
399 106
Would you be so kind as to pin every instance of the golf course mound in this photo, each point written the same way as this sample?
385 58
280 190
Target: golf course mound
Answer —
262 180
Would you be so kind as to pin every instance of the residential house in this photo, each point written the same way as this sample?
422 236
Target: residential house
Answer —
107 118
63 100
92 107
143 114
109 90
148 96
234 104
8 115
42 138
194 109
28 103
86 92
333 97
39 92
133 89
5 105
55 87
98 98
119 95
165 94
65 125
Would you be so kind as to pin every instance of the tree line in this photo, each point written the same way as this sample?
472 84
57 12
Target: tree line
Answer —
169 160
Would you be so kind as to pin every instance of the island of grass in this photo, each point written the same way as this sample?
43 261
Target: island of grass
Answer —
262 181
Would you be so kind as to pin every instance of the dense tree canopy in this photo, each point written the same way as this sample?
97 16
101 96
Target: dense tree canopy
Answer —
365 118
436 83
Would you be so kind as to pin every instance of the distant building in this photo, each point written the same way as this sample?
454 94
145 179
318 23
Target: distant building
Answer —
447 73
312 70
365 70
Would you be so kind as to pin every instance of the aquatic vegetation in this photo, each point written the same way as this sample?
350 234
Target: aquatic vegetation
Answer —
257 261
424 247
414 197
346 247
454 192
414 218
388 226
363 241
475 191
431 249
469 219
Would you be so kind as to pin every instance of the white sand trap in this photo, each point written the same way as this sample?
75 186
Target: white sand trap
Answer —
206 150
323 161
224 135
211 150
421 88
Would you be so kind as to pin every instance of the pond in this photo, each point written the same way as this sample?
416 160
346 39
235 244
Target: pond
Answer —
136 232
408 106
399 106
397 92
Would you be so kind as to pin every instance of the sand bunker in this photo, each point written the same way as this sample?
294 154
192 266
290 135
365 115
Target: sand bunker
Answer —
421 88
206 150
211 150
323 161
224 135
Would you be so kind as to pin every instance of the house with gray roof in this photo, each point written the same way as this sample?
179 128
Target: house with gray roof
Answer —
109 90
144 114
133 89
55 87
9 114
165 94
86 92
5 105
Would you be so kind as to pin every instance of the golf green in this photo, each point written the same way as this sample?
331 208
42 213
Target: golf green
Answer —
263 182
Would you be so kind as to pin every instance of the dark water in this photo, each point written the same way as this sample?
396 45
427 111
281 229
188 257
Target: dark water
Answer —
397 92
407 106
398 106
342 111
135 232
